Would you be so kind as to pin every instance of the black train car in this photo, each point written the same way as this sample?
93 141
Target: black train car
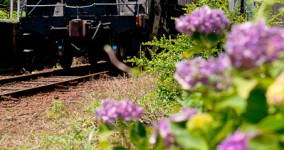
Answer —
57 30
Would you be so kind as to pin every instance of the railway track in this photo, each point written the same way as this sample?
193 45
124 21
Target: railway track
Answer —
14 87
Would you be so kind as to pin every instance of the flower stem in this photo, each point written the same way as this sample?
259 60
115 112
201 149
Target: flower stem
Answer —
122 133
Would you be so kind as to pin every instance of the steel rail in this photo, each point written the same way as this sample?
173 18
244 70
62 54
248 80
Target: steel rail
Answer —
49 86
35 75
25 77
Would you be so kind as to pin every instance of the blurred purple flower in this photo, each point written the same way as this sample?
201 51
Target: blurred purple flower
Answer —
212 72
251 44
163 127
203 20
184 115
112 110
166 133
236 141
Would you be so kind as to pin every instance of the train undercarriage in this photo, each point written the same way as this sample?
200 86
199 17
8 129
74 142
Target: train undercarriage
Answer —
53 32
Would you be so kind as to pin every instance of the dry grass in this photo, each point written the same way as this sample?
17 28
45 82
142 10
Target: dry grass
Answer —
67 124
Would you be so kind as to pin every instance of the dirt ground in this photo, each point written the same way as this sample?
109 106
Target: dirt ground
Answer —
17 115
27 116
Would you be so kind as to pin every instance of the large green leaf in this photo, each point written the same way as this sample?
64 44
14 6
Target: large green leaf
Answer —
159 144
222 132
138 136
277 66
271 123
264 142
256 105
244 86
235 102
186 140
105 131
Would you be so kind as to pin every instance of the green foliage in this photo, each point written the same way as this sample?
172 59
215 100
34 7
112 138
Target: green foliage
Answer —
256 105
186 140
265 11
164 53
4 2
138 136
234 16
5 14
131 135
245 106
73 135
91 108
162 56
56 111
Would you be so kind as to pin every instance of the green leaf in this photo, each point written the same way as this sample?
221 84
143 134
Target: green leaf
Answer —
119 148
271 123
213 39
104 145
257 107
105 131
244 86
196 36
277 66
90 139
138 136
247 127
193 100
281 9
222 132
186 140
235 102
160 144
264 142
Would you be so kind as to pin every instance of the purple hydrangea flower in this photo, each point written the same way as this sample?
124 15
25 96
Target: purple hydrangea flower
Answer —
236 141
203 20
112 110
212 72
251 44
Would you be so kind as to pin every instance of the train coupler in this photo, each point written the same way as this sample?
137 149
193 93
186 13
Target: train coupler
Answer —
77 28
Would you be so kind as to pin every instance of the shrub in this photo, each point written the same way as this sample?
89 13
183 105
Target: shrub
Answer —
165 52
240 97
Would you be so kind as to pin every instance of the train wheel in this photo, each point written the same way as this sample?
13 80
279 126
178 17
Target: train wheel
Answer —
121 53
30 60
92 58
65 56
36 52
65 61
128 48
